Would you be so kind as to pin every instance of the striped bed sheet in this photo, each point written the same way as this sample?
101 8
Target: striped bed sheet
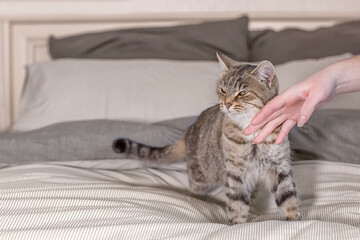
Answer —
127 199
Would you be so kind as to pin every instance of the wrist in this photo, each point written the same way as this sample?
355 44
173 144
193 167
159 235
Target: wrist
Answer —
346 74
334 74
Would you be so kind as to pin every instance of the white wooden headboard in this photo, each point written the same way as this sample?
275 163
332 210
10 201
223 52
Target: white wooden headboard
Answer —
23 36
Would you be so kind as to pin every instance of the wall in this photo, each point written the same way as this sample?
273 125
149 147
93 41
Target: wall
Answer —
83 7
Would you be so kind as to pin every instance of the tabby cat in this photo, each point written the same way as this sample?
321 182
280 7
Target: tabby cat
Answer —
217 151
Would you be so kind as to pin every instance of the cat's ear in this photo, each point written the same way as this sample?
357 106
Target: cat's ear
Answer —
265 72
225 62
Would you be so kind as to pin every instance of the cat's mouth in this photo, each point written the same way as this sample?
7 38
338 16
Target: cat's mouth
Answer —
233 111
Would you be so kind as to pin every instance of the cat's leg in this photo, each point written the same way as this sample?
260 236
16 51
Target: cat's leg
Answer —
254 194
199 184
253 197
238 198
284 191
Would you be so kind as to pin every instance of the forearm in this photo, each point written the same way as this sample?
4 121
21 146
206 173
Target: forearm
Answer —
346 74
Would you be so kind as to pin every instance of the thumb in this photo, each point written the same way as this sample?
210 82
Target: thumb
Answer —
308 108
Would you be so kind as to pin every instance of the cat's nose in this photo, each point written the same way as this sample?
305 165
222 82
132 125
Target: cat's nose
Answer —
228 105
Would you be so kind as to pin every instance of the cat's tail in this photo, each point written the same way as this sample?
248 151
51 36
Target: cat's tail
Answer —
167 154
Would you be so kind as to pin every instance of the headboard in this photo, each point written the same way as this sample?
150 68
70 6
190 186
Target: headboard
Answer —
23 38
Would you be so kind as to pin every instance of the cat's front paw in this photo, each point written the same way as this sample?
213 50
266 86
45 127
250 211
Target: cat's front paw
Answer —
293 214
236 217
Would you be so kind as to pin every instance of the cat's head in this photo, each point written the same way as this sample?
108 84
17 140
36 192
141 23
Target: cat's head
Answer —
244 87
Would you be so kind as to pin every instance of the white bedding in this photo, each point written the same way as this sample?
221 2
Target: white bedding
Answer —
123 199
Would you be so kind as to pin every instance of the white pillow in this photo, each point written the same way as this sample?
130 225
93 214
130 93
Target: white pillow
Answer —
130 90
138 90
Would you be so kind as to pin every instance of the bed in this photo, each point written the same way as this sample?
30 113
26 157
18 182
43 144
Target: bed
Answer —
59 178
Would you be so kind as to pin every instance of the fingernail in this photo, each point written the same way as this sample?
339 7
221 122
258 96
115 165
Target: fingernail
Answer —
246 131
249 129
302 121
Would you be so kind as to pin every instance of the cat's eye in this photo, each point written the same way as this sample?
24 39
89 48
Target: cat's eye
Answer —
242 93
222 91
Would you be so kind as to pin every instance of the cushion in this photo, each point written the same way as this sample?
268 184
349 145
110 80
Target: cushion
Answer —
330 134
295 44
81 140
143 91
187 42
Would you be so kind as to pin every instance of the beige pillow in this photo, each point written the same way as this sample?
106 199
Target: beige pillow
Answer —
137 90
130 90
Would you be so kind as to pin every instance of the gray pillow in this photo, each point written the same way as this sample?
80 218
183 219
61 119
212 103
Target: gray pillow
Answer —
181 124
331 135
188 42
80 140
296 44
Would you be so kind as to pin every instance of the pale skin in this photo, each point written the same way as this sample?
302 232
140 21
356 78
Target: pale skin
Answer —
297 103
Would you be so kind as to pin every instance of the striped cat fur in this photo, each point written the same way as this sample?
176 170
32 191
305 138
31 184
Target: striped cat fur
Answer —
217 151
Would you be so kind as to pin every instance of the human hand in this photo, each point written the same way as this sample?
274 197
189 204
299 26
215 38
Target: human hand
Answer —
295 105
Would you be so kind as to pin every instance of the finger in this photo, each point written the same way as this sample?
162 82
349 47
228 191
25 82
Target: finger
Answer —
269 128
308 108
285 129
274 105
253 128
